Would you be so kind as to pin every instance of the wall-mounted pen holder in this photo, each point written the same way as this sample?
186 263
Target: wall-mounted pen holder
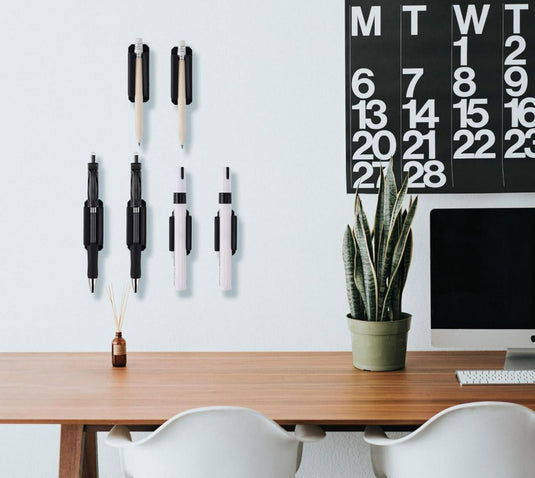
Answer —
233 233
188 59
172 232
93 236
132 72
136 233
136 236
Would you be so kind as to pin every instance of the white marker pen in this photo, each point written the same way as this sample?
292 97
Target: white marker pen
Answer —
225 240
180 232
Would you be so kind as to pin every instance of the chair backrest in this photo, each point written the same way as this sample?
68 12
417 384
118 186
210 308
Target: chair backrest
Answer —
482 439
215 442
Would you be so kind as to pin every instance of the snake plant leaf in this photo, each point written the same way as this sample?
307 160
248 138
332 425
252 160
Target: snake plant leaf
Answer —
369 238
369 282
391 190
397 287
359 282
406 261
382 265
398 253
387 202
400 199
379 213
401 278
356 200
384 260
356 307
379 253
404 235
394 305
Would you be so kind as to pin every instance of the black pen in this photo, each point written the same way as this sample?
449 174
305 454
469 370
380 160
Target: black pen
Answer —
136 223
93 223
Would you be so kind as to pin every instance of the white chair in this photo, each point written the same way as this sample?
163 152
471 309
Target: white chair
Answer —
482 439
214 442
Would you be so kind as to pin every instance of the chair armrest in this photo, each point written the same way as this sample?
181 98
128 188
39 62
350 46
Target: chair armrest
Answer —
308 433
119 437
376 436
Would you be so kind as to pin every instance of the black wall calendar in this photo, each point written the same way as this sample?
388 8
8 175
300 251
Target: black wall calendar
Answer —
445 88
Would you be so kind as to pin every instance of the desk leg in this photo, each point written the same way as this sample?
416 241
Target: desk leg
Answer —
70 451
78 453
90 458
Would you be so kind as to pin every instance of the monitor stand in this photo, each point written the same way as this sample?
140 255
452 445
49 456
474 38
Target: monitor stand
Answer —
520 359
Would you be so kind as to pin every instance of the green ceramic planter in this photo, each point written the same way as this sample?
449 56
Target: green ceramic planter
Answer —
379 346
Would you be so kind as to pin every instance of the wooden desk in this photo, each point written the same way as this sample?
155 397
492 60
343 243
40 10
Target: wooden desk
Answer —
83 393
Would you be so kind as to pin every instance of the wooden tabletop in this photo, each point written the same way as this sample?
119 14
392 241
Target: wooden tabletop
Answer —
290 387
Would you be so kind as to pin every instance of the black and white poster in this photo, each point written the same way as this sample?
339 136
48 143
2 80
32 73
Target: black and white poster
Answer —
446 89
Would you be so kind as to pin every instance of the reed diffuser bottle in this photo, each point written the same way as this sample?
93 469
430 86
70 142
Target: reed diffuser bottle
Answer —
118 345
118 350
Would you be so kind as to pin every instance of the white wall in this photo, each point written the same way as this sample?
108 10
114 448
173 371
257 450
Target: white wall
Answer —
268 102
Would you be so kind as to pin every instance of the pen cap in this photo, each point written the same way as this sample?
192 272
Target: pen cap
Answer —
226 184
180 180
138 47
181 49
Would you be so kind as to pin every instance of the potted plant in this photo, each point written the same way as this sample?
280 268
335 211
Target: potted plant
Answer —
376 265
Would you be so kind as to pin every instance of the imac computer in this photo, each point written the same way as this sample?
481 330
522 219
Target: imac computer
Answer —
483 281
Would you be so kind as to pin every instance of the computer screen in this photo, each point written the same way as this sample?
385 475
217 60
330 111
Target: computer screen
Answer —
483 277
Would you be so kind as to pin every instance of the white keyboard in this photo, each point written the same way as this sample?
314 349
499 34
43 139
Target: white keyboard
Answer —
495 377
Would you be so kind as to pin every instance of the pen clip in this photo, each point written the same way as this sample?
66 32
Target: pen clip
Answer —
233 233
188 231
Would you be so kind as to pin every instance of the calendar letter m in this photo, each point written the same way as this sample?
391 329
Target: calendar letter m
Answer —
365 25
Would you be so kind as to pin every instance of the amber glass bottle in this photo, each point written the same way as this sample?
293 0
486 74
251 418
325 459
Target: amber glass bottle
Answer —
118 350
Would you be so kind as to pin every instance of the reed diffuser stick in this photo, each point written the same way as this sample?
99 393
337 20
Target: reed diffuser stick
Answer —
124 303
118 318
